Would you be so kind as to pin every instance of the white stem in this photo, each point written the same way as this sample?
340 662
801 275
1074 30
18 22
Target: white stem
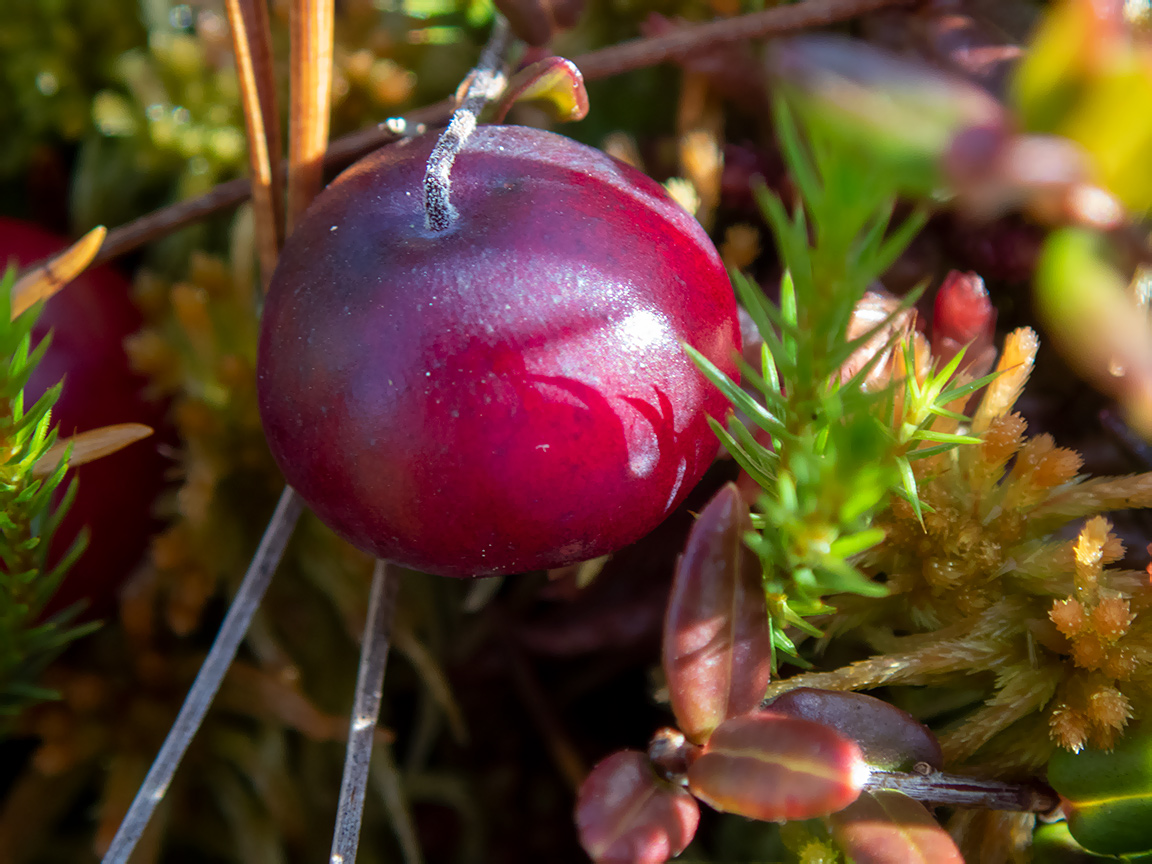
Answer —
207 682
485 83
365 712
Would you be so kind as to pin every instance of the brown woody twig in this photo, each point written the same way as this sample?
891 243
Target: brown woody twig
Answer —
692 39
936 787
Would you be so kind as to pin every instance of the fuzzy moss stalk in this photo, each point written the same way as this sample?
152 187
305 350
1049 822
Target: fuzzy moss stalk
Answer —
28 519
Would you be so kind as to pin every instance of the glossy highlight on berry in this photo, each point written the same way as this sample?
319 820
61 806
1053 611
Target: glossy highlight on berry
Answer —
508 394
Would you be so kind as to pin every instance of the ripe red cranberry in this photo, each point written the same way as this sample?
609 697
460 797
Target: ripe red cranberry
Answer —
507 390
89 320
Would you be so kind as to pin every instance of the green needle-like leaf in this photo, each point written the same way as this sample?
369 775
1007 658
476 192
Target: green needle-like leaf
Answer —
28 520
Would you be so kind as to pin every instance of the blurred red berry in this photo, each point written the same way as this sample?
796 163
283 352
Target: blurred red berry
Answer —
89 321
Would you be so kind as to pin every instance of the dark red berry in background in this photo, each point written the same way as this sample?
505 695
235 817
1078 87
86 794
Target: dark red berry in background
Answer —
89 320
509 394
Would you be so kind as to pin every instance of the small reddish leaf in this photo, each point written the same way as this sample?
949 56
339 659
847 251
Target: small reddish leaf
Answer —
890 739
887 827
717 646
625 814
772 767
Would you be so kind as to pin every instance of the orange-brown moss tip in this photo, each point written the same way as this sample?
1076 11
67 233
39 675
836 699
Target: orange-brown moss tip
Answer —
1113 550
1004 436
1108 708
1111 618
1056 467
1090 556
1121 664
1089 651
1039 467
1015 367
1069 728
1068 616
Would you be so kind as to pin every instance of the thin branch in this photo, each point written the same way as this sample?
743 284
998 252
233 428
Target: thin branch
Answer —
167 220
595 65
207 682
252 44
694 38
936 787
310 92
365 712
171 218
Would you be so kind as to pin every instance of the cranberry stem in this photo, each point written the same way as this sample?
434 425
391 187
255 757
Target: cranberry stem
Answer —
365 711
484 84
936 787
211 674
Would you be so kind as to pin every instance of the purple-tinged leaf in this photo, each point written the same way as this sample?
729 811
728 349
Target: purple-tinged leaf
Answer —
890 738
889 828
625 814
717 645
772 767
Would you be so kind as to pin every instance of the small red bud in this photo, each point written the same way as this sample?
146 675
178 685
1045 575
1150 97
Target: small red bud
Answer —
963 315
